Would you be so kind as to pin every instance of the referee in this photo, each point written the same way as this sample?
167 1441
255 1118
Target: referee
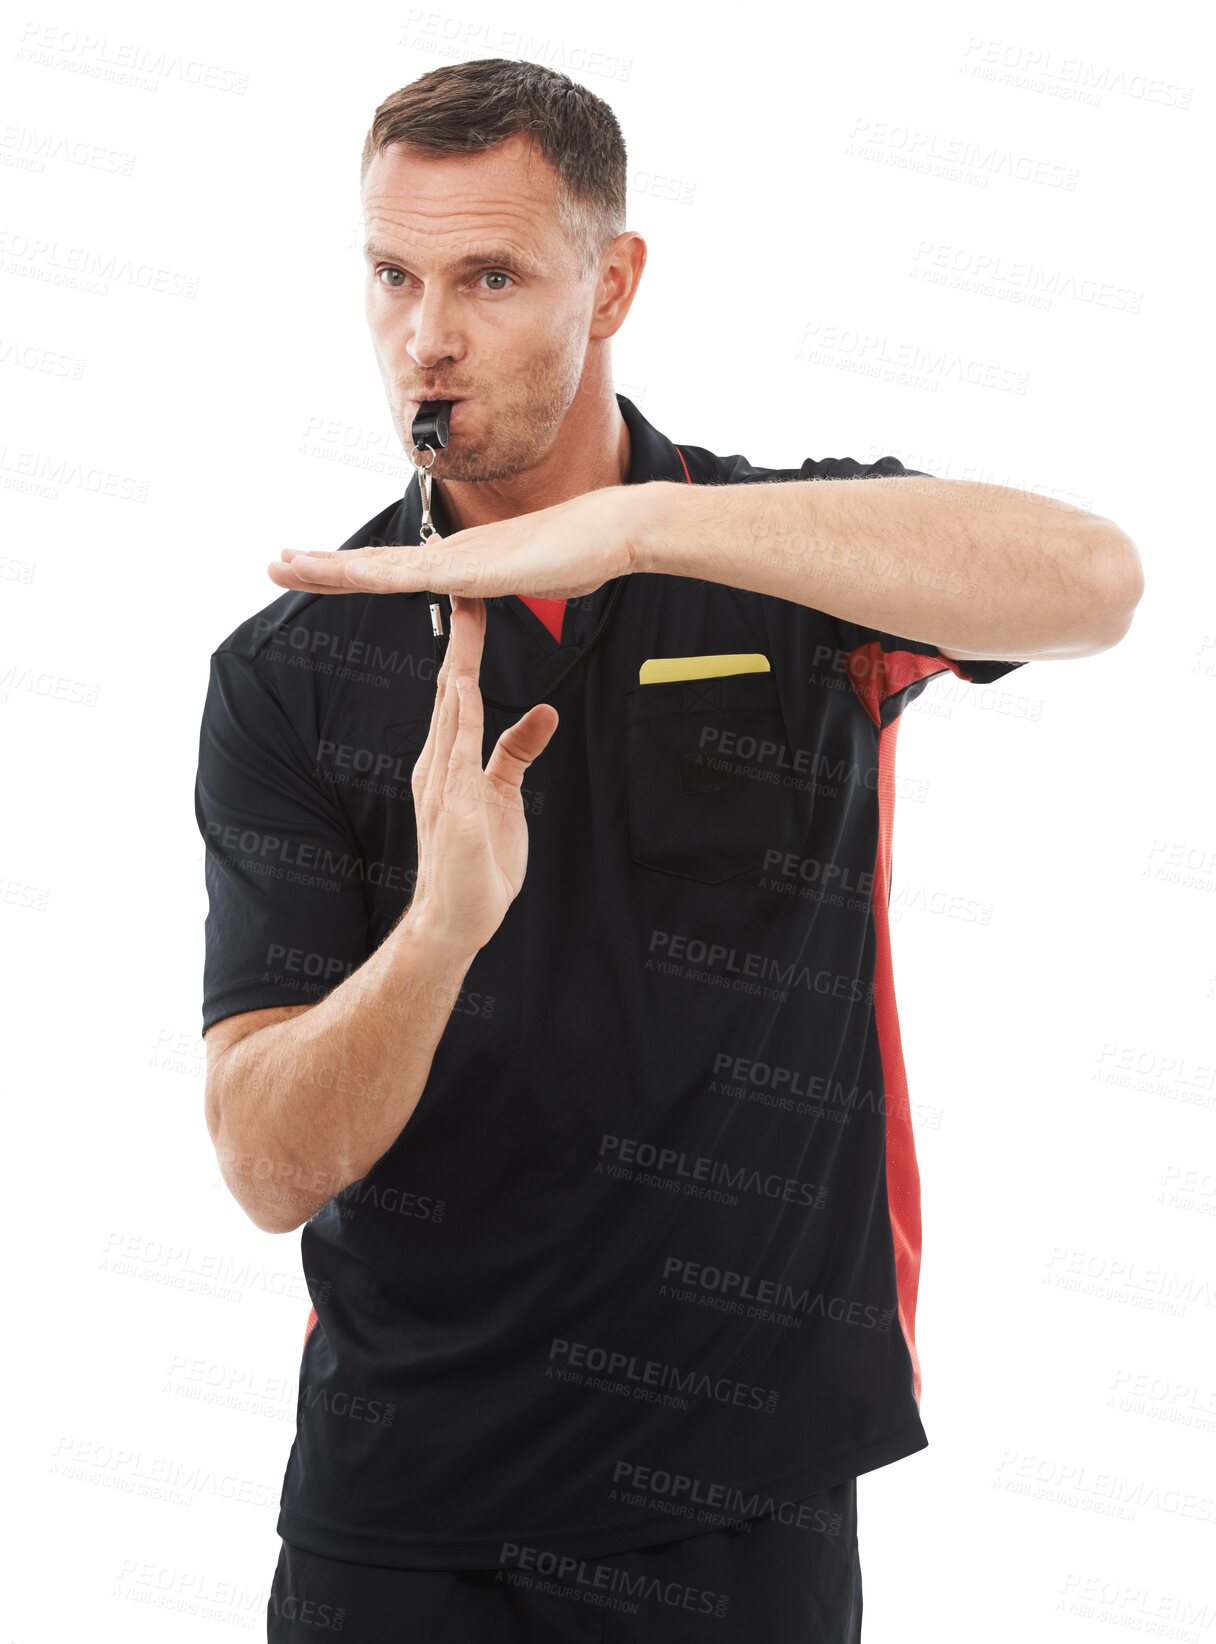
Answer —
548 987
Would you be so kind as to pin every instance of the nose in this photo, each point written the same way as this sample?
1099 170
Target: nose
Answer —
434 340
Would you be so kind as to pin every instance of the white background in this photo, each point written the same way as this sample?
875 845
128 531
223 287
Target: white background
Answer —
821 198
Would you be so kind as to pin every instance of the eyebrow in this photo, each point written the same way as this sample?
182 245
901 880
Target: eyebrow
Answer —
491 257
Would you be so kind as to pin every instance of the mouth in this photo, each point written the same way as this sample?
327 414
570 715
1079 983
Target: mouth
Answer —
455 413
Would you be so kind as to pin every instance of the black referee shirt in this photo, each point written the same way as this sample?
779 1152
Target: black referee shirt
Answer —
645 1257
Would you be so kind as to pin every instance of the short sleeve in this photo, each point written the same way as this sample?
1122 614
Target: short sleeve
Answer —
884 670
888 672
287 919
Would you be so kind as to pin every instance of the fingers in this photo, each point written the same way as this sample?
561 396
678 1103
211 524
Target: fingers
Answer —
467 602
464 768
468 629
422 765
464 785
465 638
443 715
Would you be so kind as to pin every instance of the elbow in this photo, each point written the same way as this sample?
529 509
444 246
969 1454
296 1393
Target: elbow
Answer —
258 1192
268 1215
266 1223
266 1206
1118 586
268 1212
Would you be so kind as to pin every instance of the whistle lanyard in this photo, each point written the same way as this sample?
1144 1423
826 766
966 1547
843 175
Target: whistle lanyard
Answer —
427 530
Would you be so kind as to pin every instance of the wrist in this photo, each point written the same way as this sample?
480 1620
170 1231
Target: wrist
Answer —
421 930
649 506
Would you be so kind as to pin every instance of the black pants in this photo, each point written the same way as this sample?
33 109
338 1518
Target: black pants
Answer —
792 1578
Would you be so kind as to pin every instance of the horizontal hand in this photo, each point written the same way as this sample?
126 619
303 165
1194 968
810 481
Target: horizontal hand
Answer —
560 552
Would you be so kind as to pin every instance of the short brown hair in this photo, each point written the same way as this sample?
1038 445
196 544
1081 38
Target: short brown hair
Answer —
466 108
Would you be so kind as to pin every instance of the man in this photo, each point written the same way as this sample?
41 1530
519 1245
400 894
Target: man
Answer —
566 1029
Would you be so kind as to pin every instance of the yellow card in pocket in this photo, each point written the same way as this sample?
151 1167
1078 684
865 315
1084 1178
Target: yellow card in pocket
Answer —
657 670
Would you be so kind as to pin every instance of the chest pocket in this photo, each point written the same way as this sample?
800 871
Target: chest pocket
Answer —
711 781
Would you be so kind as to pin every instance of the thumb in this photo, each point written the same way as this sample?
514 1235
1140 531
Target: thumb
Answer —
522 743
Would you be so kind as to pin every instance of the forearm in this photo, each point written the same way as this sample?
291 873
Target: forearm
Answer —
972 568
307 1105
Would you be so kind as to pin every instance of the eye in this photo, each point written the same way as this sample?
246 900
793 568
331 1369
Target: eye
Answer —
396 283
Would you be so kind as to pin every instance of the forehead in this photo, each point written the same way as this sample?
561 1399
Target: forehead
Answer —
441 205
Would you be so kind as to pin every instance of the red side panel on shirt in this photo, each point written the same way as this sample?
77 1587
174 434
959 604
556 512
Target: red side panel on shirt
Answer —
903 1174
876 674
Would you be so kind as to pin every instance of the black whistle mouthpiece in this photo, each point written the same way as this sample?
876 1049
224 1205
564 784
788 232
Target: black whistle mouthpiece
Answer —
430 427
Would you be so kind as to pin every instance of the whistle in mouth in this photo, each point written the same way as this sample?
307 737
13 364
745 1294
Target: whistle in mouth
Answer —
430 428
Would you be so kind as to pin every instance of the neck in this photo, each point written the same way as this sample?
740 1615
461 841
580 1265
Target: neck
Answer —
592 450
